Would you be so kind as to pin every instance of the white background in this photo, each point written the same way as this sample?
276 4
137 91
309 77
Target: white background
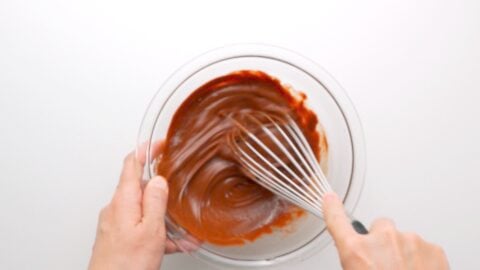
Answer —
76 76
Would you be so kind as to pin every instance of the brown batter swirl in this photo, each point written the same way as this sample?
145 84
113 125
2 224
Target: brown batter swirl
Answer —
210 196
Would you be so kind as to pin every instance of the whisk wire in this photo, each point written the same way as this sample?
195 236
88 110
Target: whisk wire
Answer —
321 185
298 191
292 196
288 180
300 179
282 189
321 189
322 179
297 166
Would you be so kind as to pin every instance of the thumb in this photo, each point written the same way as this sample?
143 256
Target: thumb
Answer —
155 197
338 223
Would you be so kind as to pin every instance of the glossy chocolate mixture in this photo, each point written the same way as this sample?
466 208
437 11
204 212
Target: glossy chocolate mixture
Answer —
210 196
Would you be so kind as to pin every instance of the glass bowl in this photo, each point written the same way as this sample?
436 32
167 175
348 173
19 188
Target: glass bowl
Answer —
346 155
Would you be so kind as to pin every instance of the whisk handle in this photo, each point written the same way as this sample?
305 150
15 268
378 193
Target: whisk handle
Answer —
359 227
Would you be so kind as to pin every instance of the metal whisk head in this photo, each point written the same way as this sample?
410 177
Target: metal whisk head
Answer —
275 152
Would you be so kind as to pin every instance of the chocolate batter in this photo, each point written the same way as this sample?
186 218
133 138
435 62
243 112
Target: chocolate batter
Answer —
210 196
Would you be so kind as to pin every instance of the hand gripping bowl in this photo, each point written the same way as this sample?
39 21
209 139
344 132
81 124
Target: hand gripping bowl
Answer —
346 155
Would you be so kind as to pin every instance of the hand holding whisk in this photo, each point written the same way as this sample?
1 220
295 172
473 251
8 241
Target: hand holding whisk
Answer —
278 156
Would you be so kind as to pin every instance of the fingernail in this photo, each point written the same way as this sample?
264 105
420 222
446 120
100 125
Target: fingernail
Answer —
330 197
159 182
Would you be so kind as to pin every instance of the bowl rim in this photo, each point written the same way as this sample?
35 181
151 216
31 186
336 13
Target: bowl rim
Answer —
305 65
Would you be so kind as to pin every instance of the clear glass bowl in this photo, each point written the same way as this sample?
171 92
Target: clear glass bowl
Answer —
346 155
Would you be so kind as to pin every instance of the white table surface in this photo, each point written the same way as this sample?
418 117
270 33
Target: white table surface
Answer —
76 76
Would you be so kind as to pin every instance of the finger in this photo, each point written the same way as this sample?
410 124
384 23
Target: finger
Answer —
382 225
186 245
128 196
411 244
338 223
155 198
155 150
131 176
170 247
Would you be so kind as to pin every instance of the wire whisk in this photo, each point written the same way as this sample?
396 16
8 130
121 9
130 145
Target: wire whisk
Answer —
274 151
